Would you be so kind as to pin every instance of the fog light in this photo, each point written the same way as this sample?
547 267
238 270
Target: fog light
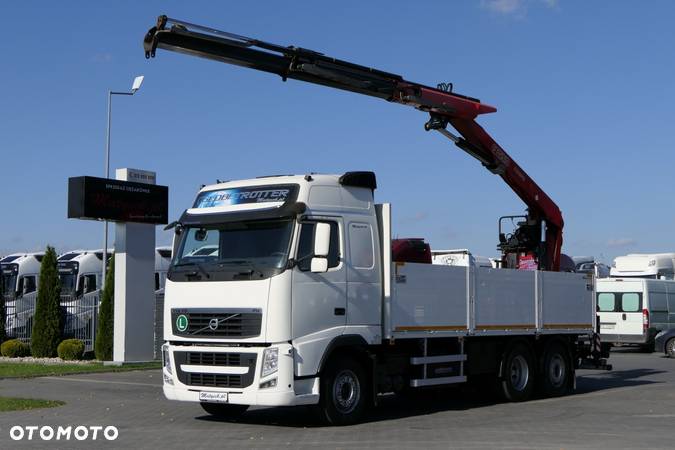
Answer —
168 379
269 384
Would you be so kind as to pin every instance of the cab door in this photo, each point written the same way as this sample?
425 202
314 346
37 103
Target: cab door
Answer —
319 300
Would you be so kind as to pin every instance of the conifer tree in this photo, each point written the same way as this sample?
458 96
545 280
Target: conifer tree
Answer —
48 319
103 347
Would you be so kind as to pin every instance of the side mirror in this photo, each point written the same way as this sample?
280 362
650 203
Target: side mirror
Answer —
321 241
319 265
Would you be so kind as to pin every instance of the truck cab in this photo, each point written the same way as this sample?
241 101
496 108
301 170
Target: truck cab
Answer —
20 275
294 269
80 272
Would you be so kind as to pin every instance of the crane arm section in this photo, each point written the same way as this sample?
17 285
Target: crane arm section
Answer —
444 106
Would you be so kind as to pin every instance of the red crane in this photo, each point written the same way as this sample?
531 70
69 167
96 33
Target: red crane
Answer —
537 239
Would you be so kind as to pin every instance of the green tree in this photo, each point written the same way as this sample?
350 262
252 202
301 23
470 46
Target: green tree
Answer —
103 347
48 319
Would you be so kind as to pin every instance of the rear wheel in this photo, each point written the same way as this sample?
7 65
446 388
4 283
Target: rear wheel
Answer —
224 410
343 392
517 380
555 370
670 348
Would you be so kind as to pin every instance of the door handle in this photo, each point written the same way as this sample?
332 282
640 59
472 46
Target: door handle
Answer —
339 311
623 316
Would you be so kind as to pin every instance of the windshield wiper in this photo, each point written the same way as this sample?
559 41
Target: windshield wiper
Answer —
253 268
196 264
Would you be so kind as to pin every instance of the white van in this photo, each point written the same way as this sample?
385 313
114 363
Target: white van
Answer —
658 266
634 310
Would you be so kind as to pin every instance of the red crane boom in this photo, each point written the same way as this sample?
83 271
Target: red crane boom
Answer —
538 237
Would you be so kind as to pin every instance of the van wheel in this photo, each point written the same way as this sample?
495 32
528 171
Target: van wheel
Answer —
224 411
555 370
517 380
343 392
670 348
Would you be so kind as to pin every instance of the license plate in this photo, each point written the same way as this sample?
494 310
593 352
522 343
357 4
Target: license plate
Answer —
606 326
213 397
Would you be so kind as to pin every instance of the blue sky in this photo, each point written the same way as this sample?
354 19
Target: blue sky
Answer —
584 92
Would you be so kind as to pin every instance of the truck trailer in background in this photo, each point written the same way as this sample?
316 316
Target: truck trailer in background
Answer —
660 266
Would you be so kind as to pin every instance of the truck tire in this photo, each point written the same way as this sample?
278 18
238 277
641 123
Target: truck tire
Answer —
344 392
517 381
555 370
224 410
670 348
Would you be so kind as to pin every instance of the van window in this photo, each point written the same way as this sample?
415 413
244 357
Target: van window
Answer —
361 245
306 245
630 302
157 281
606 302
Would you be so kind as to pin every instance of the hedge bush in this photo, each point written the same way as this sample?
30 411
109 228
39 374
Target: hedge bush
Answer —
48 320
103 347
14 348
70 349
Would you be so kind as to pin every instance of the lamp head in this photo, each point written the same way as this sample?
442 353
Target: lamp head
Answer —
137 84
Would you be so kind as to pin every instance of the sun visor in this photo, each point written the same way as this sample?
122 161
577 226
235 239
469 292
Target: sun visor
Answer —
244 203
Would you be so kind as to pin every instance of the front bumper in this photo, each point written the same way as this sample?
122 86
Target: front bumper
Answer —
188 378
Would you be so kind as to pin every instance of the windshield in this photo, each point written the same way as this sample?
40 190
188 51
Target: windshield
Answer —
257 248
8 285
68 281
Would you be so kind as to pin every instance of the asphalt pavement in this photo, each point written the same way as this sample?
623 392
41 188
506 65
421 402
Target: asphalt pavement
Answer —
631 407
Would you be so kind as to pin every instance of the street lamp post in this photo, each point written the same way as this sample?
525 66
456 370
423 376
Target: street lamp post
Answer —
134 87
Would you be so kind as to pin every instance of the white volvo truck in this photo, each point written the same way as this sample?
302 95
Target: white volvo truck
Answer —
301 304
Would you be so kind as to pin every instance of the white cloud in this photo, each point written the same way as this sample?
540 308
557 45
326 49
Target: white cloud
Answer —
516 8
506 7
621 242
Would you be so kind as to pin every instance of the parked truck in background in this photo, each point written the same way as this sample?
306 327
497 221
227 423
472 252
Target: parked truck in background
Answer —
20 276
660 266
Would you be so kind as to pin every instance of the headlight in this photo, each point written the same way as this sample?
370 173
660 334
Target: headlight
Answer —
270 362
166 359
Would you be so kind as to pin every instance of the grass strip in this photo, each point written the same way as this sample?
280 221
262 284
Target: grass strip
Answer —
24 404
29 370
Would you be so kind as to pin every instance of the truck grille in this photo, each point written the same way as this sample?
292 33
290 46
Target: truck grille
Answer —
216 323
214 380
214 359
218 359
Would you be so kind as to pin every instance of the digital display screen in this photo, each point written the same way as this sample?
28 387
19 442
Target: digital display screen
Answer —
117 200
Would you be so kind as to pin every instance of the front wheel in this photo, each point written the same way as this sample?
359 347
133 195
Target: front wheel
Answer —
670 348
343 392
517 381
224 410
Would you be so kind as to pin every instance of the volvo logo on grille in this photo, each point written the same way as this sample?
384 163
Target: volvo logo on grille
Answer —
213 324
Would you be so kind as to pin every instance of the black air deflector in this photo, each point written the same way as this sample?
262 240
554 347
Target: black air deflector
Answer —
359 179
